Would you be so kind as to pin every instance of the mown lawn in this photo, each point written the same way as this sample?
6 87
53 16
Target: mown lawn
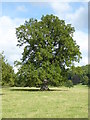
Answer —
59 103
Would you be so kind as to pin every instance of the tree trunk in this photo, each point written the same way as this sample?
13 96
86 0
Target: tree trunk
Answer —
44 86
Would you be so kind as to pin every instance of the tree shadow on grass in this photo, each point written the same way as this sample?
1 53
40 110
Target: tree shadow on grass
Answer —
33 90
1 94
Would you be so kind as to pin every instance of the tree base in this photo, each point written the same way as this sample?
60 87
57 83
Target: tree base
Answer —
44 88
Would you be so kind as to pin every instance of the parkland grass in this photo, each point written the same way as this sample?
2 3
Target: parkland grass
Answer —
58 103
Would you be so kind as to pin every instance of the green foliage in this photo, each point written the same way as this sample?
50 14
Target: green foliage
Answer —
86 70
49 49
76 70
69 83
85 80
27 76
8 75
82 72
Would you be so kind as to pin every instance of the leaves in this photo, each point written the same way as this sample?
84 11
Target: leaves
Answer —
8 75
49 47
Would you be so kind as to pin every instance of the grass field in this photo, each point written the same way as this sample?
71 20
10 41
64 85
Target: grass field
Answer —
58 103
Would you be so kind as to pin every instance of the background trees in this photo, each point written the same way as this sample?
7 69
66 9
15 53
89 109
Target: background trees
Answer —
8 75
49 49
27 76
82 74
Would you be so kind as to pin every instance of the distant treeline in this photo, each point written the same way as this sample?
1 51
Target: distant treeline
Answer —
7 76
74 74
79 74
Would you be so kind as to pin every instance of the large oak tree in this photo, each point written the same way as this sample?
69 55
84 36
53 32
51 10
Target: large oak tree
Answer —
49 49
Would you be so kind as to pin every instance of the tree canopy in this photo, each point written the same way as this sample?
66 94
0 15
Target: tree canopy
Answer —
48 49
7 74
82 73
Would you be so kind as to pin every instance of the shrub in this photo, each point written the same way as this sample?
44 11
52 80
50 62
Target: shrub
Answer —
84 80
68 83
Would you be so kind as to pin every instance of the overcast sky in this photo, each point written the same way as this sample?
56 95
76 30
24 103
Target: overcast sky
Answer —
13 14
